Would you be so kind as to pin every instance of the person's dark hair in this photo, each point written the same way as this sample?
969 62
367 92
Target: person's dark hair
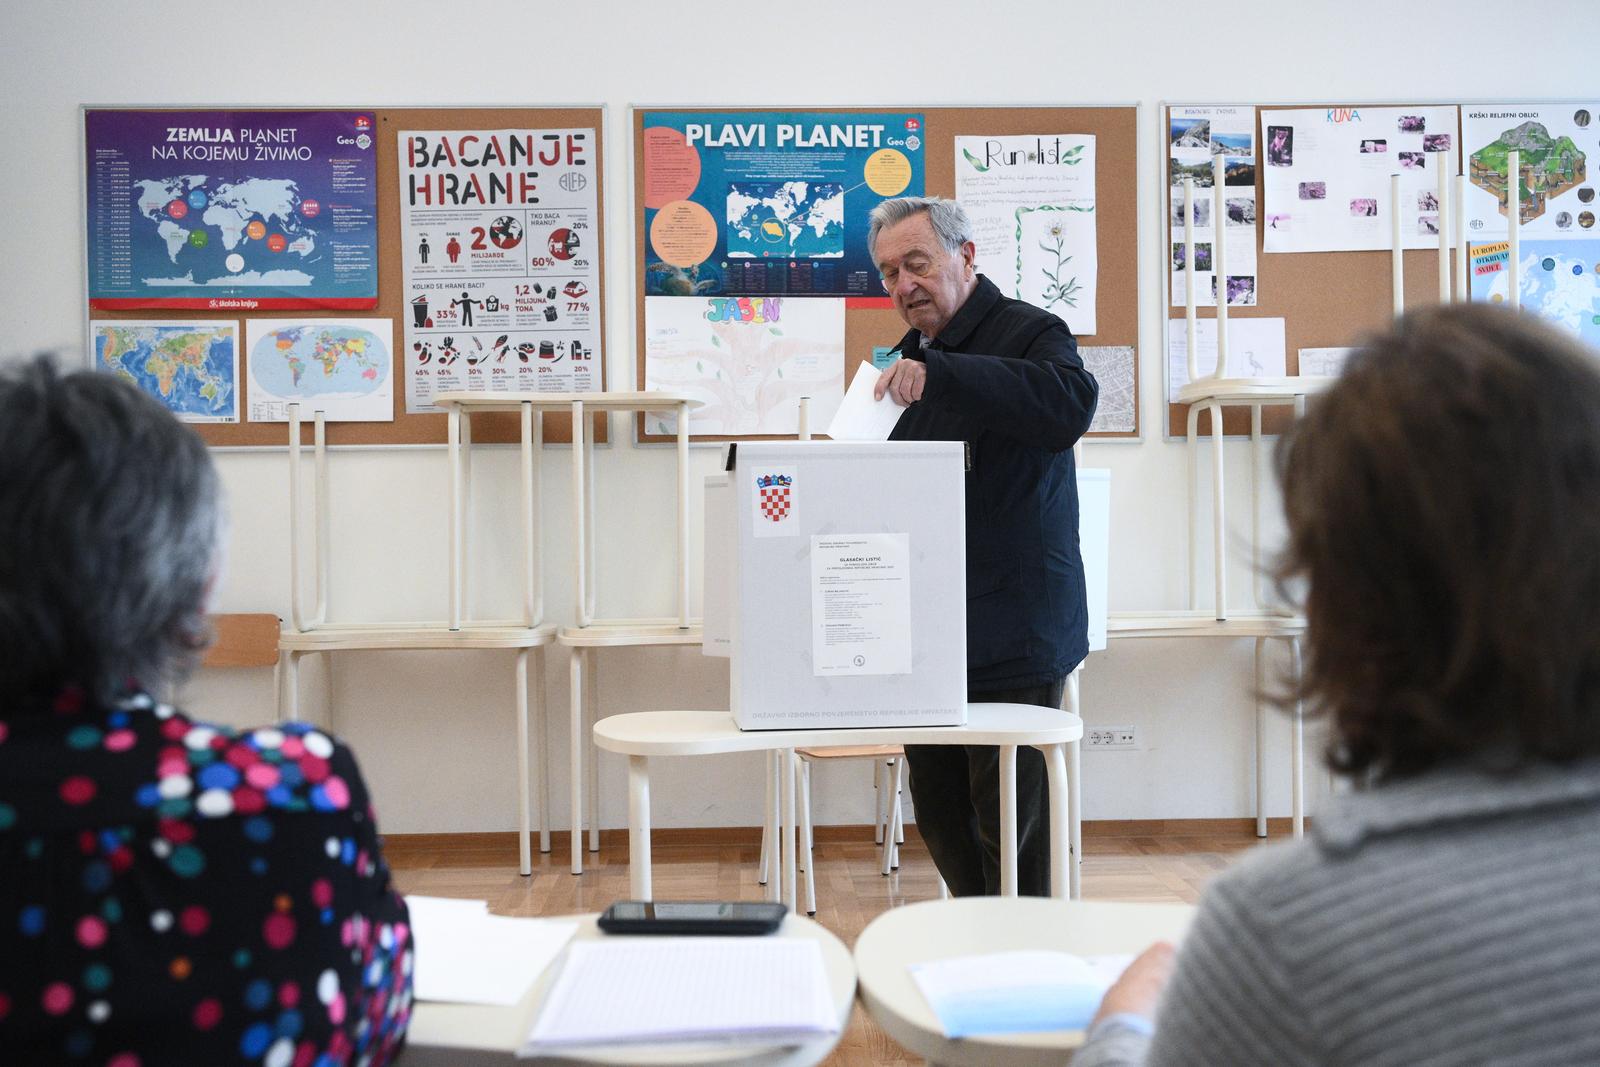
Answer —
1443 505
109 525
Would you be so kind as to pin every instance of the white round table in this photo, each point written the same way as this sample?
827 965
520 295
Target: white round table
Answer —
1056 733
971 926
477 1035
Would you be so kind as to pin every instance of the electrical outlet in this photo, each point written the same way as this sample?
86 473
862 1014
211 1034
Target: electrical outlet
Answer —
1111 737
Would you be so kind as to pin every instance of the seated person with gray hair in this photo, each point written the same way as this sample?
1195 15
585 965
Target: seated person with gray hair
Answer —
170 892
1443 505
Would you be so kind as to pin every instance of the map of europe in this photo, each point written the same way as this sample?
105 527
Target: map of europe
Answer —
295 361
246 232
1559 280
785 220
190 368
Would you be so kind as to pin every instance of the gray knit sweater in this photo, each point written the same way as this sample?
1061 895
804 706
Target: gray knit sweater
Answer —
1451 919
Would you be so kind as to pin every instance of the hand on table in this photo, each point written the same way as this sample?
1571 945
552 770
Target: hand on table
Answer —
903 381
1140 986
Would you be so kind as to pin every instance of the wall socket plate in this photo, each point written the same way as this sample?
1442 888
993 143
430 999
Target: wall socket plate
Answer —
1111 737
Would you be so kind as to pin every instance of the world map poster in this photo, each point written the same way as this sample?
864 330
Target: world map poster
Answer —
771 203
231 210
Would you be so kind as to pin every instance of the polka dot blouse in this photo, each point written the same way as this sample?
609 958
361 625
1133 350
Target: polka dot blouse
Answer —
178 893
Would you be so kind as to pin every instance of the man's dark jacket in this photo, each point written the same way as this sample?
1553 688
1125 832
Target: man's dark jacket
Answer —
1005 377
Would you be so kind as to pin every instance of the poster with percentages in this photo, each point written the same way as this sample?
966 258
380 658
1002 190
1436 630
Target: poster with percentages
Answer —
231 210
500 246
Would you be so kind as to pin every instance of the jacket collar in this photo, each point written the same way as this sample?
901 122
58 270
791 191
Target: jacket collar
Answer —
1456 794
961 324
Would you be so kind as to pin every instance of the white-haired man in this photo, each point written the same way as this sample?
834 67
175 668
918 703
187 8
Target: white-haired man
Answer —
1004 377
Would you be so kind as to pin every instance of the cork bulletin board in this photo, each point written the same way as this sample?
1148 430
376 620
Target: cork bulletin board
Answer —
405 429
870 319
1326 299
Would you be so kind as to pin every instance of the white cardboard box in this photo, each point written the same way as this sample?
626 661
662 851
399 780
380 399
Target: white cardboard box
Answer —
848 584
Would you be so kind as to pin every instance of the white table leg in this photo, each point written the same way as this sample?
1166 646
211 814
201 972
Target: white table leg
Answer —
1075 814
524 817
638 828
1008 820
290 697
1218 512
575 754
1261 738
769 827
1297 784
1061 855
591 712
543 712
788 833
453 443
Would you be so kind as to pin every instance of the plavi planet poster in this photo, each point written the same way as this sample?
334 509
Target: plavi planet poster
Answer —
341 367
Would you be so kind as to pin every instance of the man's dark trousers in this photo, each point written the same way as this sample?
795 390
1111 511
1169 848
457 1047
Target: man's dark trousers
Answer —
956 790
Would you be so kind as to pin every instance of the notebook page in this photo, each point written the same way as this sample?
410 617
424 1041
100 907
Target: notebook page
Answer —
686 988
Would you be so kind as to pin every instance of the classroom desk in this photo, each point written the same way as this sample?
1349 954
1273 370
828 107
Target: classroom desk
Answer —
1054 732
478 1035
965 926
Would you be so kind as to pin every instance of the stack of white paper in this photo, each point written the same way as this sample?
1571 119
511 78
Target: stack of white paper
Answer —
467 956
686 989
1016 992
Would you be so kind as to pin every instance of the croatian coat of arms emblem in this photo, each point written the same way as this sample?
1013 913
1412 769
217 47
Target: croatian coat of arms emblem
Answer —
774 495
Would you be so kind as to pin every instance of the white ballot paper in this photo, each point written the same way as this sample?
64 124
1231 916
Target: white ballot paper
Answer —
686 989
464 955
860 604
1016 992
861 418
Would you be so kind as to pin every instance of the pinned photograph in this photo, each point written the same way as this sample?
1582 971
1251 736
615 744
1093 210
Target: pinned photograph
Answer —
1413 160
1375 144
1232 144
1190 133
1313 190
1427 200
1202 255
1363 208
1241 290
1413 123
1241 211
1202 211
1239 170
1200 172
1278 222
1436 142
1280 146
1428 224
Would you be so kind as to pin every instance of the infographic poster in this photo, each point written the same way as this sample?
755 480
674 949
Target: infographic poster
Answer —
499 233
1031 202
1196 136
340 367
191 367
1328 176
231 210
771 203
1557 148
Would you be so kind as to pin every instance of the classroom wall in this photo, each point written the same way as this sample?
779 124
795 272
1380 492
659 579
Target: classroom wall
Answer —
432 729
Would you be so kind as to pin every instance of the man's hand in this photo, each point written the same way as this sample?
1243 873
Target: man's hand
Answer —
903 381
1140 986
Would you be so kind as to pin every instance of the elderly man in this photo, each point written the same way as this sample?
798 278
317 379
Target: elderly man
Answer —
1004 377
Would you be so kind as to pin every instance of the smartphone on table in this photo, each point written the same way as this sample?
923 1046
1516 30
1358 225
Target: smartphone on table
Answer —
693 917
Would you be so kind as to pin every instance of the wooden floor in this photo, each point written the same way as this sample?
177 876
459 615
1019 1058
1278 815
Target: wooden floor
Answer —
1149 862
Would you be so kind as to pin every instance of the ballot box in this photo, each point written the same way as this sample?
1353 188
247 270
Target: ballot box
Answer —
836 583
